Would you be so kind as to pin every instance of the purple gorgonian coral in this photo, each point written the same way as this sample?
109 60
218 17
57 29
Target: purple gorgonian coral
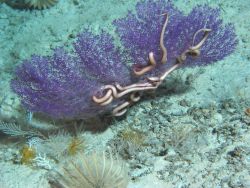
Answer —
95 79
62 85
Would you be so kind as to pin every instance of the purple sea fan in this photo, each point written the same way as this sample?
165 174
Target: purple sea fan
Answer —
160 39
62 85
220 43
95 79
101 59
141 33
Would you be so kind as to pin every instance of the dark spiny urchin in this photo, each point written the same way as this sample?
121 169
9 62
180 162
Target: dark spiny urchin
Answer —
29 4
41 4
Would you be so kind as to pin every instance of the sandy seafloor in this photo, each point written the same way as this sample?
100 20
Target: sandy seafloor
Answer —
196 134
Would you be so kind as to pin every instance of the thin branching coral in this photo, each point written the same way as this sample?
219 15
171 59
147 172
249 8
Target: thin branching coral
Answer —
55 146
15 130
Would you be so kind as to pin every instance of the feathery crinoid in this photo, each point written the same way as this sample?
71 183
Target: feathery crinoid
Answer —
41 4
91 171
